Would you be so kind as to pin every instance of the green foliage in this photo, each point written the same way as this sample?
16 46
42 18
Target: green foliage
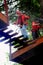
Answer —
0 0
28 6
1 8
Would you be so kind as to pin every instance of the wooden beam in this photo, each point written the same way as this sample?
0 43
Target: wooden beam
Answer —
3 17
26 52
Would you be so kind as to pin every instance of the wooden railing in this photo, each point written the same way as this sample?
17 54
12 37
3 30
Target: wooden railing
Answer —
3 17
20 55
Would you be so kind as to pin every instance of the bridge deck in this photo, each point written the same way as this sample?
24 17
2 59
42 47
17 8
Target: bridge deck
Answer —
26 52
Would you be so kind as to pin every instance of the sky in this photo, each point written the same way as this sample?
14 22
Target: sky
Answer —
4 51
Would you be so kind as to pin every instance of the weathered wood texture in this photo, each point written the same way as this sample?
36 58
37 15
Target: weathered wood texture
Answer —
27 52
3 17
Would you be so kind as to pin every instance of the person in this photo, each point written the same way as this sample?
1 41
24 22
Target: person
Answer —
22 18
22 22
35 29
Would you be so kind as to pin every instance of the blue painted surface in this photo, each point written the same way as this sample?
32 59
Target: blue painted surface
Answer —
3 28
2 24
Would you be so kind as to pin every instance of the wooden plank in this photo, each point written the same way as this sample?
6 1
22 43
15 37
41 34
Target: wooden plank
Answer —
3 17
26 50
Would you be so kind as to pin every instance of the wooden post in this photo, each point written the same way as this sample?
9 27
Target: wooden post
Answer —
6 10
